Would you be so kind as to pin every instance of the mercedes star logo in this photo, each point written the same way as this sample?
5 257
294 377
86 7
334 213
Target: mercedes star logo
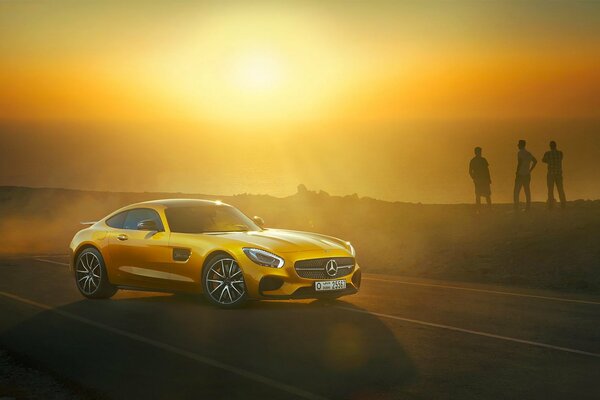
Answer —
331 267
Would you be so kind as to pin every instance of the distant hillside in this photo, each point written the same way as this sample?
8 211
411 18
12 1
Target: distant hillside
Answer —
557 249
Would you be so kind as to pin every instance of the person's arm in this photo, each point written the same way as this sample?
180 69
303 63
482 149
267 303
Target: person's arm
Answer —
533 163
471 172
545 159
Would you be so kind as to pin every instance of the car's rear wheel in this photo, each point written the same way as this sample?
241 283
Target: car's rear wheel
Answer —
223 281
91 277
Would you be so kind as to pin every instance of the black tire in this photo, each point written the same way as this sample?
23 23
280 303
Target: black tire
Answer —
90 275
223 282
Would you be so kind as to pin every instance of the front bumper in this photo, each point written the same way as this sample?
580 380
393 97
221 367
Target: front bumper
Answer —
285 283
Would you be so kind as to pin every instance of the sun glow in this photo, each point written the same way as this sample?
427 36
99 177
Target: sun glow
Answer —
241 68
257 72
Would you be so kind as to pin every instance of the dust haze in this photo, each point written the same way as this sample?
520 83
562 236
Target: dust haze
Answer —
371 189
556 250
418 161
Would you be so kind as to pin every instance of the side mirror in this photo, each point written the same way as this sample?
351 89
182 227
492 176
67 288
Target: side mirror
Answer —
258 221
147 225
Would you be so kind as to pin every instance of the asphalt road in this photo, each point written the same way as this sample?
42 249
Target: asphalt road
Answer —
398 338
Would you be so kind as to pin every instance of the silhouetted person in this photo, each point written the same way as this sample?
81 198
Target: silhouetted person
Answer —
526 162
554 159
480 173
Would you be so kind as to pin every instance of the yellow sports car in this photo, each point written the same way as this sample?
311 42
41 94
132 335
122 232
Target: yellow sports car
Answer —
212 248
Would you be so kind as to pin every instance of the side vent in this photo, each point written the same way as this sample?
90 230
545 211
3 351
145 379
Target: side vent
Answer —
181 254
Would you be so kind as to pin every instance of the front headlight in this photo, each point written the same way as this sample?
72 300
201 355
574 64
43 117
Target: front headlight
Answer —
264 258
351 248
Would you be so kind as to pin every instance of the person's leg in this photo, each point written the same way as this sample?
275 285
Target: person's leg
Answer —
477 199
488 198
517 191
561 190
550 183
526 182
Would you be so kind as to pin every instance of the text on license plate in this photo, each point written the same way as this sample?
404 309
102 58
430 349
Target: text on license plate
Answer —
339 284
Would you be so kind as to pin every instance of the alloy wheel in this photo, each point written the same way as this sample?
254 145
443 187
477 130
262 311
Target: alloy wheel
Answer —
88 272
225 282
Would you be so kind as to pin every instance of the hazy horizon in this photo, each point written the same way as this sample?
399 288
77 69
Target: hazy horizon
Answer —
406 162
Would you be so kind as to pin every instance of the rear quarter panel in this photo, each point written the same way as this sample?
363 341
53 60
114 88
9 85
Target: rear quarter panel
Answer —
93 236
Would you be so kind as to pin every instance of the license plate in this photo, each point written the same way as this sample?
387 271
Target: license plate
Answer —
322 286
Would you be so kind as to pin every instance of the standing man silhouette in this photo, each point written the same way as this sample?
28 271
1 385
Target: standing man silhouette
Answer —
526 162
480 173
554 159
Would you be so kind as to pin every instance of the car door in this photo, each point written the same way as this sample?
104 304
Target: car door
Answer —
140 257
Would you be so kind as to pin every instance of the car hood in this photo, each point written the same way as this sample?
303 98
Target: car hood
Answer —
285 241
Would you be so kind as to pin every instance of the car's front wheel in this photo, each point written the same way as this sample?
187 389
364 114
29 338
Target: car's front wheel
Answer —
91 277
223 282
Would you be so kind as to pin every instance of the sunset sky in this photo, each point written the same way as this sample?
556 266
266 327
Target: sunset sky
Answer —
386 99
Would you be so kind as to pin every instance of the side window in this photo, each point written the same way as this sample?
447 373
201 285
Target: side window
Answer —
134 217
117 221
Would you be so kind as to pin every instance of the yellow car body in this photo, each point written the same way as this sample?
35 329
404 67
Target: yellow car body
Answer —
162 259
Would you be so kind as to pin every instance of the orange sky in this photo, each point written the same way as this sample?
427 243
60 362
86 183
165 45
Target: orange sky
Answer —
270 69
271 61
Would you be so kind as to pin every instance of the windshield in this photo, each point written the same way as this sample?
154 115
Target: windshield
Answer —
208 218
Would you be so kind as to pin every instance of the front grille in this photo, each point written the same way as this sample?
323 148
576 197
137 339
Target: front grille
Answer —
315 268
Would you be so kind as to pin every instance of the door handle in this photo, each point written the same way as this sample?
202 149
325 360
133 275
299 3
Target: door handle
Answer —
122 236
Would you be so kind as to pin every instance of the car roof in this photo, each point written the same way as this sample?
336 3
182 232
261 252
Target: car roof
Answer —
167 203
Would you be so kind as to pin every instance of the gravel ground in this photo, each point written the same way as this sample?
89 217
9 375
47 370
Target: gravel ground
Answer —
18 381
